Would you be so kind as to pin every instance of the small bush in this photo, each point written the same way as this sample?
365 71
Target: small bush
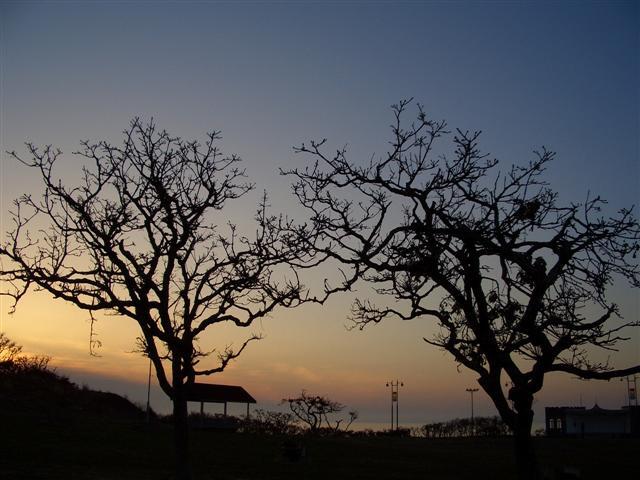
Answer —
12 361
314 411
271 423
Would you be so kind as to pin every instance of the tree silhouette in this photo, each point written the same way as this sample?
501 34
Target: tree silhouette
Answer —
463 427
314 410
505 271
14 362
142 236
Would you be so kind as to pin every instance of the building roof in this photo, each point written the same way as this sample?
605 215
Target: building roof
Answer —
564 409
208 392
597 410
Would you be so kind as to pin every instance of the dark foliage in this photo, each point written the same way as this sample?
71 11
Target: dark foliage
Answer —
265 422
464 427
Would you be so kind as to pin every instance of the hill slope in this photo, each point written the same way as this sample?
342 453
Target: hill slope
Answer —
38 392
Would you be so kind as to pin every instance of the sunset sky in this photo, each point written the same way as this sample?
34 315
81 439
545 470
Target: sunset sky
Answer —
271 75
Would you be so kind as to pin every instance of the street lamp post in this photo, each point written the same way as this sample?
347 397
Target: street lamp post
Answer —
473 424
394 399
632 392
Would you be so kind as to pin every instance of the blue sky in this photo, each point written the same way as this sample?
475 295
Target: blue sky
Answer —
271 75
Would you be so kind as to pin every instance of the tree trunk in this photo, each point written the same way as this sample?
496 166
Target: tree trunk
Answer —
526 461
519 418
180 428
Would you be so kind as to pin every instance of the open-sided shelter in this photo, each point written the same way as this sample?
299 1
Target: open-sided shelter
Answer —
212 393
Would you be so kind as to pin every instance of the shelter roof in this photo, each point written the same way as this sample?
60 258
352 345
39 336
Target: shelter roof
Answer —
209 392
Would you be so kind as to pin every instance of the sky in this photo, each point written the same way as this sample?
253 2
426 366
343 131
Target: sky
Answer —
272 75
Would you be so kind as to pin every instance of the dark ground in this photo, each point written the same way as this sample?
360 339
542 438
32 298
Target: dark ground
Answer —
97 450
51 429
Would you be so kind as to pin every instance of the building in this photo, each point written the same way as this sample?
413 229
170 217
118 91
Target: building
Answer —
596 421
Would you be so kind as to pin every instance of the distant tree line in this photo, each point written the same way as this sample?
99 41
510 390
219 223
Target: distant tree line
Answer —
285 424
463 427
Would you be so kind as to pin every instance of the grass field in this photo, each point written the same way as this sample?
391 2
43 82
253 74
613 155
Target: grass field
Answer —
35 448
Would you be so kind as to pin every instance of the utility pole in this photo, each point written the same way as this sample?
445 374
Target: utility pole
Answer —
149 394
473 424
394 399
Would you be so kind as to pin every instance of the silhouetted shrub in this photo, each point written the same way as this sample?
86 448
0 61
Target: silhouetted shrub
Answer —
271 423
396 432
367 432
313 412
12 360
215 421
293 450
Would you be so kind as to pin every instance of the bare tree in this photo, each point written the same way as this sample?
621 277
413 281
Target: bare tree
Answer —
142 236
314 411
9 350
516 282
14 362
